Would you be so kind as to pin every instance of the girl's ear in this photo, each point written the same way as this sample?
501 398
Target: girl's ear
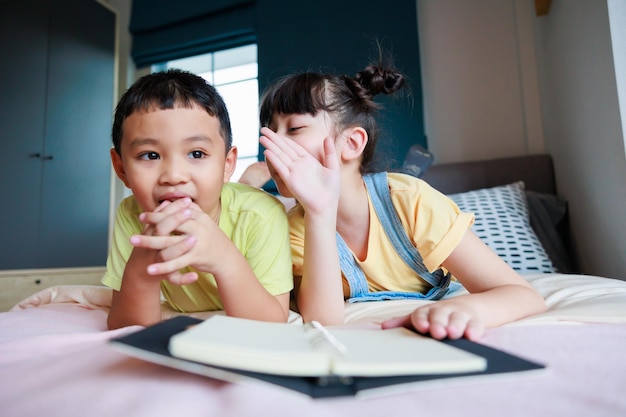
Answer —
355 140
118 166
230 163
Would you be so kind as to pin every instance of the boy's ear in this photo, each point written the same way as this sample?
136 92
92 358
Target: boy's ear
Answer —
118 166
355 142
230 163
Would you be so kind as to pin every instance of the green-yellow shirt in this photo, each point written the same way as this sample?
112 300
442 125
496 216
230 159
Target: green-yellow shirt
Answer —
433 222
254 221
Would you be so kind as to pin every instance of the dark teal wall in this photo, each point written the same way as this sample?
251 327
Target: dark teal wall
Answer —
341 36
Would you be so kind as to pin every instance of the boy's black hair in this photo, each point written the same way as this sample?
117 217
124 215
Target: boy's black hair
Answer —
167 90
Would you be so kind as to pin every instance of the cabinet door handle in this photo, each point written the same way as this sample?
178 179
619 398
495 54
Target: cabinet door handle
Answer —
35 155
46 157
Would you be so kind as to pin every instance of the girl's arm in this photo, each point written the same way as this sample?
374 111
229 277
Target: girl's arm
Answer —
498 295
320 292
316 186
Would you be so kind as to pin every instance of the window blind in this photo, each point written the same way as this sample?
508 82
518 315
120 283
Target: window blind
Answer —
163 30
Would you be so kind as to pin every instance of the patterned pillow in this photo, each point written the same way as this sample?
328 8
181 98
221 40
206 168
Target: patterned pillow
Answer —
502 223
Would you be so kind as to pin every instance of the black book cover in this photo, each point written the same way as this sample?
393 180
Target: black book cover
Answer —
151 344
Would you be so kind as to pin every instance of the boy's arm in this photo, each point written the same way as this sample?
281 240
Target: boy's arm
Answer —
241 292
138 302
136 297
202 245
242 279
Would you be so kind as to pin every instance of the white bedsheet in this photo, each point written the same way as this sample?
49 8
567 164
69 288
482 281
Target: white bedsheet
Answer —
570 298
55 361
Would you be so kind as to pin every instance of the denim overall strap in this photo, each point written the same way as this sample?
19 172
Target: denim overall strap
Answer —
351 270
381 200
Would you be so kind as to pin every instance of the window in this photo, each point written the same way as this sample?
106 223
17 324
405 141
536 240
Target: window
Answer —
233 72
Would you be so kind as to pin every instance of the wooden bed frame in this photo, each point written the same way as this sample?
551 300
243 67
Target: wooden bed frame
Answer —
537 172
17 284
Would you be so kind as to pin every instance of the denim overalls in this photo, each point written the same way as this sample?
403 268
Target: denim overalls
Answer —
378 190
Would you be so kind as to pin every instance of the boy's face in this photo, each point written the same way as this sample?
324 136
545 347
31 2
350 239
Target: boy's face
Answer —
174 153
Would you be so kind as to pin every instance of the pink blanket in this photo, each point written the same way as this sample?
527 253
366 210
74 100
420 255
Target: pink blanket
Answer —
55 361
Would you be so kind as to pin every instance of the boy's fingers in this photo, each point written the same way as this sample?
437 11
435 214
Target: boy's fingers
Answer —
178 249
182 279
164 209
165 224
169 267
171 206
156 242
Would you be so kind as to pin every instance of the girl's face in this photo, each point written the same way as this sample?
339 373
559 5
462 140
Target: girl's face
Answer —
174 153
307 131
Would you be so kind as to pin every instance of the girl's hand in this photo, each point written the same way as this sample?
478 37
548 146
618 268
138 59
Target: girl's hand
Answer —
452 319
315 184
498 295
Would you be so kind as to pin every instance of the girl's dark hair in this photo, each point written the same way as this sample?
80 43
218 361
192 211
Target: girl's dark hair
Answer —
167 90
348 100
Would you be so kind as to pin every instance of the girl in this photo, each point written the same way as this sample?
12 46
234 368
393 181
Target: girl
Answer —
320 133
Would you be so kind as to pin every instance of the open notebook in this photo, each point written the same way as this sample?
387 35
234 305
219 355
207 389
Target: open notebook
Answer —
314 350
184 343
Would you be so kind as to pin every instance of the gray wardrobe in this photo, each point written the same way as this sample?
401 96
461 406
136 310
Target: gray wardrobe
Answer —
56 104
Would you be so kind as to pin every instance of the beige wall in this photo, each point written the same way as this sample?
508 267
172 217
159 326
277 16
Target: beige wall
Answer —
481 90
583 129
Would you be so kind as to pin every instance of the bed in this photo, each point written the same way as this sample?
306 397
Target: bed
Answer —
55 359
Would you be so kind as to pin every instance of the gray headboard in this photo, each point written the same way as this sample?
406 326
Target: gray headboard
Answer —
536 171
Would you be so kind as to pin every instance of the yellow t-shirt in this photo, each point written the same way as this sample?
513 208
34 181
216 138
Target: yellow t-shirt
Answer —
433 222
254 221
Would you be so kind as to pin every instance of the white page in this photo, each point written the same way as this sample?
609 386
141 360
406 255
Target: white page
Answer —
399 352
251 345
292 349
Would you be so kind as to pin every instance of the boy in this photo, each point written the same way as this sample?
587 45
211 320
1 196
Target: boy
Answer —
186 232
